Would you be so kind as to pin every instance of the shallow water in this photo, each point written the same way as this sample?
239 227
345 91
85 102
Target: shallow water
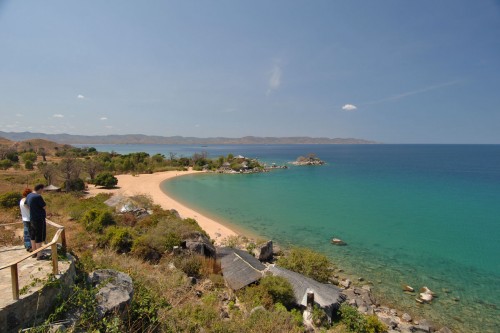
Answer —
413 214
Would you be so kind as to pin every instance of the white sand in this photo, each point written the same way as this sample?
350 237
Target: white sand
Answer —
149 184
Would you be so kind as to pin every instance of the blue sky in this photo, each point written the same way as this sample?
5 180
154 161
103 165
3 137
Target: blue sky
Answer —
391 71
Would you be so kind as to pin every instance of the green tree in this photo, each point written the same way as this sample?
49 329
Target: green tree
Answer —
106 179
28 157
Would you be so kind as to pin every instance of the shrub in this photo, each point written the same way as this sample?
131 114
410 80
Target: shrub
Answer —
305 261
352 319
10 199
143 249
280 290
118 238
319 317
171 240
106 179
189 264
255 295
74 184
95 220
374 325
28 165
5 164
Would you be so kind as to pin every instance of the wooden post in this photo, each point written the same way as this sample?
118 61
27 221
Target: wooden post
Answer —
63 241
15 282
55 269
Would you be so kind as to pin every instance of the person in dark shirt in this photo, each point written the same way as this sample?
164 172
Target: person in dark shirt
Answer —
37 227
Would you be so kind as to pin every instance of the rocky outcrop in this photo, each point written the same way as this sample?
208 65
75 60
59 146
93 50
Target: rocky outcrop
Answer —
115 291
311 159
264 252
199 243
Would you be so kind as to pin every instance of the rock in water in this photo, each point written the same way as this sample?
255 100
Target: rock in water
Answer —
408 288
338 241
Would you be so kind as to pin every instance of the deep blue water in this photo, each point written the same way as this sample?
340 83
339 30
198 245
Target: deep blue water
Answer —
414 214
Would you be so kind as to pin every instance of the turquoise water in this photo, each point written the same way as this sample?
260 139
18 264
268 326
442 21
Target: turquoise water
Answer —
413 214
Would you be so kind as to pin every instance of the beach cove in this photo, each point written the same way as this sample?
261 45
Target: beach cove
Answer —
393 205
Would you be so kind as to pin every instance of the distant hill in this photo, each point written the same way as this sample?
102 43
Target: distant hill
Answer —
149 139
6 142
50 147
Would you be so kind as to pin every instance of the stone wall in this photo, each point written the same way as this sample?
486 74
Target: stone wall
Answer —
32 308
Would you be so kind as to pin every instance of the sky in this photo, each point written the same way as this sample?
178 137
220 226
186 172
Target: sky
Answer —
391 71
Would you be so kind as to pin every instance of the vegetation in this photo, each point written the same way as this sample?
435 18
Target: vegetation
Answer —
307 262
10 199
165 300
106 179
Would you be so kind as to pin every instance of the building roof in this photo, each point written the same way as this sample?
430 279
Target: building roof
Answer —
326 295
51 188
239 268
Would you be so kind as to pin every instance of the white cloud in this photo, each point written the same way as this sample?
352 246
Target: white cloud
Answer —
104 118
80 96
349 107
197 125
57 115
108 126
275 79
19 115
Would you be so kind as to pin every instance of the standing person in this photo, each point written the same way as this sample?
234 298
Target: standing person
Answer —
25 214
38 227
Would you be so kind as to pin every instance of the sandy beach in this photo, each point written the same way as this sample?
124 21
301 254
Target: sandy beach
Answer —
149 184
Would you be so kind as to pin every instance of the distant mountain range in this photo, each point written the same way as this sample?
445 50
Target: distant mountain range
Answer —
153 139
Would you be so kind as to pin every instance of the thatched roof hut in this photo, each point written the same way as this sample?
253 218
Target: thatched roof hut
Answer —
52 188
239 268
327 296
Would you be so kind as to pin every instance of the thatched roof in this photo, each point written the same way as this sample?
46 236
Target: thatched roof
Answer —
326 295
239 268
51 188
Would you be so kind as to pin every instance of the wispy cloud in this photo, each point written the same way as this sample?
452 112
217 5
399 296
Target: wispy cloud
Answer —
80 96
103 118
274 79
19 115
197 125
349 107
414 92
57 115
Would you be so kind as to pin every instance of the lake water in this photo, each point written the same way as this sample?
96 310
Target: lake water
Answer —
423 215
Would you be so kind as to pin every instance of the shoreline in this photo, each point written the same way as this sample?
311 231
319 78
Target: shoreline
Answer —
149 184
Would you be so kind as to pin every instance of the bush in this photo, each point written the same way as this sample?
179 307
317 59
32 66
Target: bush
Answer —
106 179
374 325
28 165
189 264
305 261
352 319
255 295
10 199
95 220
319 317
74 184
5 164
280 290
118 238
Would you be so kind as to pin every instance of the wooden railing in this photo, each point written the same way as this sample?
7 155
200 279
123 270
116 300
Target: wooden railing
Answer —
60 233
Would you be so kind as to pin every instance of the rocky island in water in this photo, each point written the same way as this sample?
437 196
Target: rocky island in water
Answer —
311 159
